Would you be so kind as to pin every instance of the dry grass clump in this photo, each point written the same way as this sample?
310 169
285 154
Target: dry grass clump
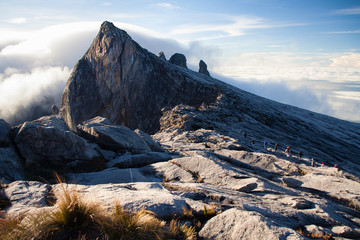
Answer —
74 218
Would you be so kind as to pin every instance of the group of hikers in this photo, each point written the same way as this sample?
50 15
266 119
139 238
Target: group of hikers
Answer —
287 150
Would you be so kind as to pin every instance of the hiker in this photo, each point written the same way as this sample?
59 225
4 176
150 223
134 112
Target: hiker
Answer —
276 146
312 162
322 164
265 144
287 151
300 155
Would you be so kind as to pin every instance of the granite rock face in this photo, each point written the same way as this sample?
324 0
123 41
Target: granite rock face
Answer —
178 59
4 133
239 224
161 55
112 137
119 80
11 166
47 142
212 152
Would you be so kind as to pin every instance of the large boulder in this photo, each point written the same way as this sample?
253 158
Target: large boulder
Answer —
112 137
119 80
5 129
11 167
47 142
238 224
153 145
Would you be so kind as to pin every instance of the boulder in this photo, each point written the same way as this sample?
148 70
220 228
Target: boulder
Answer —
11 167
238 224
47 142
178 59
5 129
300 203
291 182
119 80
346 232
112 137
203 68
154 146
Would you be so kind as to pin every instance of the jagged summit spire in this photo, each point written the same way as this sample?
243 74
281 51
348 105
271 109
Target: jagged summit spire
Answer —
107 25
119 80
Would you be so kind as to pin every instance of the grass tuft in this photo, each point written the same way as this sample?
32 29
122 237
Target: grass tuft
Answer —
74 218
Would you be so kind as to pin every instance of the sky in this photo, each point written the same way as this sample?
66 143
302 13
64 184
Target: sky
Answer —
303 53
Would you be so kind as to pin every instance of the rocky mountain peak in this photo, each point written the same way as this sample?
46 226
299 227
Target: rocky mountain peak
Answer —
203 68
161 55
178 59
119 80
107 27
264 169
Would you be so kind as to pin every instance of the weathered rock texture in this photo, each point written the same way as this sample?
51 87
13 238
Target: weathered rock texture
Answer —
214 155
178 59
119 80
112 137
203 68
11 167
161 55
4 133
47 142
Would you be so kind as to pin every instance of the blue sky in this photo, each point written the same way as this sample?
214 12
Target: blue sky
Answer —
304 53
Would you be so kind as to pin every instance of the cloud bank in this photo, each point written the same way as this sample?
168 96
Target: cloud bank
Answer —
34 71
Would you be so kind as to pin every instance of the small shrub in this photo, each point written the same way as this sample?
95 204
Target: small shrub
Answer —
177 231
127 225
74 218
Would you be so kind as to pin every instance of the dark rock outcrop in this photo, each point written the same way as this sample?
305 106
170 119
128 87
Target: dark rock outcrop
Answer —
47 142
11 167
112 137
178 59
5 129
203 68
119 80
161 55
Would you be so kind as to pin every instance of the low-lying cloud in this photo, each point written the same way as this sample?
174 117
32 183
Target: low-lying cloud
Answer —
38 89
34 71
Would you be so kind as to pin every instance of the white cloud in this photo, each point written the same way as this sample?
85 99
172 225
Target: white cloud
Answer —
227 26
19 20
345 32
281 76
20 90
349 60
167 6
41 42
347 11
